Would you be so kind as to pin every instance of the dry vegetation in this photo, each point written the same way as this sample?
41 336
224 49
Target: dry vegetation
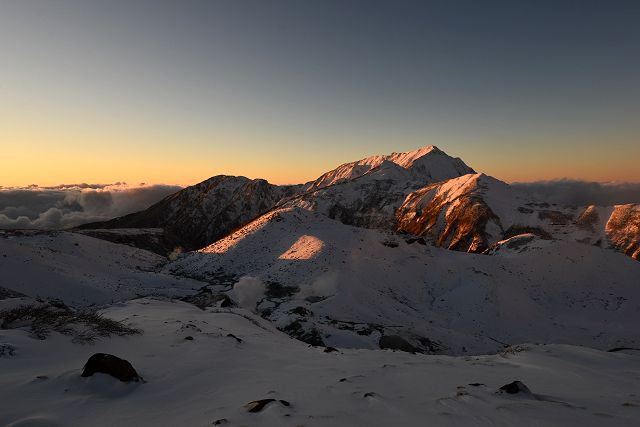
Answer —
42 319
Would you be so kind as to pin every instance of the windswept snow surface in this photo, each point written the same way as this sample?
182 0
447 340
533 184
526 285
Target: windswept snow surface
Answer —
355 285
82 270
212 377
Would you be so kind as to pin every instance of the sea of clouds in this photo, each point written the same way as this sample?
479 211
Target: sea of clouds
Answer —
581 193
65 206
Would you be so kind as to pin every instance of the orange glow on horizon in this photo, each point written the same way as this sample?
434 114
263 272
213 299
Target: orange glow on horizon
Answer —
52 154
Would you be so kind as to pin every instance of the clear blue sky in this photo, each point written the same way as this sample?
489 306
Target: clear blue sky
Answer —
178 91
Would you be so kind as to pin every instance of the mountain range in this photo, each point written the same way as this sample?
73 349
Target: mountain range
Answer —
425 192
415 245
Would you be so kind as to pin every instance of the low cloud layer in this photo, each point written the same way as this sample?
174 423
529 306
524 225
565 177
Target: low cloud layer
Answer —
65 206
581 193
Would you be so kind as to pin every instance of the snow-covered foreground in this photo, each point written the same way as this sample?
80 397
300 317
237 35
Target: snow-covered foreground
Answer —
353 286
82 270
213 376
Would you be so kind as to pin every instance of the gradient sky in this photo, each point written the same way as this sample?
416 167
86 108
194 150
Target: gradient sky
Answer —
175 92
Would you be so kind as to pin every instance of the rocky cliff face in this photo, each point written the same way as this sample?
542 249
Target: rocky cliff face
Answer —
468 213
623 229
475 212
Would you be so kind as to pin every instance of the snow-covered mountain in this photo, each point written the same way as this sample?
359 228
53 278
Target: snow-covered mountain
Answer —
366 193
423 192
325 282
465 213
426 164
200 214
473 212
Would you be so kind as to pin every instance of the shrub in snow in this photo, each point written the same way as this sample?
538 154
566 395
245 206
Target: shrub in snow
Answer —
42 319
7 350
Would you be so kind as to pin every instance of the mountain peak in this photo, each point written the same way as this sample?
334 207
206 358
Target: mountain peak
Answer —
428 162
407 159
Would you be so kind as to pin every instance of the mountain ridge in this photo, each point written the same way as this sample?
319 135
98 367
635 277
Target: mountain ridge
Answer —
424 192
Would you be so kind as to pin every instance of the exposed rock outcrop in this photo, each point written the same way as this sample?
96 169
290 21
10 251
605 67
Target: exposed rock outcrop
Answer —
623 229
454 213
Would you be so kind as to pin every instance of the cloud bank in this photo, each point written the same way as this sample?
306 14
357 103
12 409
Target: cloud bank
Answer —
581 193
65 206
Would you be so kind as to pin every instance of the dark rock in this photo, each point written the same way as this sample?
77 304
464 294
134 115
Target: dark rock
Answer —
616 349
276 290
366 331
314 299
156 241
418 240
556 217
111 365
239 340
396 342
515 230
205 298
476 384
515 388
300 311
430 345
6 293
188 338
390 243
220 421
330 349
258 405
311 336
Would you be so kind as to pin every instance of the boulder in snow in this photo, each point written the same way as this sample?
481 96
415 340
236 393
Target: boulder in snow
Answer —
111 365
396 342
515 387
